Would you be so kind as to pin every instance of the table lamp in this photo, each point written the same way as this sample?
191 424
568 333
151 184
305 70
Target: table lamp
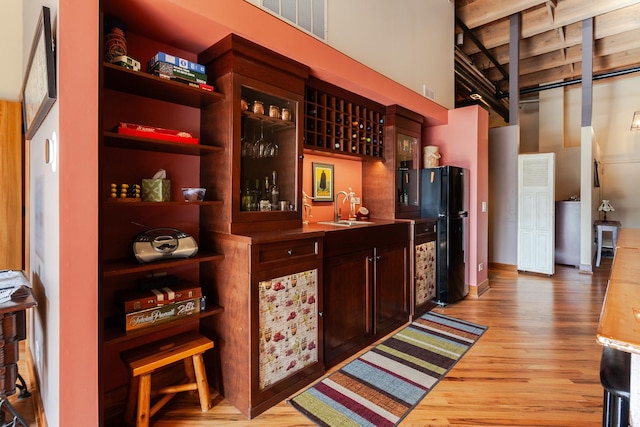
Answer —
605 207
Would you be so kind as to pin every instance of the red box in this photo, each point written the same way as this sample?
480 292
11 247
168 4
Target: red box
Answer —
131 301
156 133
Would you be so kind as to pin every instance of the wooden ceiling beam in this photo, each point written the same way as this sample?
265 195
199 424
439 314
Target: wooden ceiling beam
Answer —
534 46
609 20
601 65
618 44
481 12
550 7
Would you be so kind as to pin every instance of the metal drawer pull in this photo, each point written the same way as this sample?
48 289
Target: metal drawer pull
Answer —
290 252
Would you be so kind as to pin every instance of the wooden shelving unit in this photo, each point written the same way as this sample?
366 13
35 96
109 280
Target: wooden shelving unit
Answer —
139 97
340 122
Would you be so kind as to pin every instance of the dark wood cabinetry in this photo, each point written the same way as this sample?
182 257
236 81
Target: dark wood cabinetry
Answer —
248 73
259 264
392 189
270 333
365 287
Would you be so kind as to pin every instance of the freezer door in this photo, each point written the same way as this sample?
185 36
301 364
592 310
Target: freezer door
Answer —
455 186
432 195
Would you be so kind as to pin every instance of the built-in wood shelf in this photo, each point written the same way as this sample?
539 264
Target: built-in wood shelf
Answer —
114 332
129 266
114 139
143 84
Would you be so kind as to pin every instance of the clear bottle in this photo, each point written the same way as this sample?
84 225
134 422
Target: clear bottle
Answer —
274 191
265 196
247 197
255 196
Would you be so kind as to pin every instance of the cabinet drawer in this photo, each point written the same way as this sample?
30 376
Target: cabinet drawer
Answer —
425 231
269 255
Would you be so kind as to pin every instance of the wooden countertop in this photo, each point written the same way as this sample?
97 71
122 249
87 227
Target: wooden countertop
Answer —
311 230
619 325
628 238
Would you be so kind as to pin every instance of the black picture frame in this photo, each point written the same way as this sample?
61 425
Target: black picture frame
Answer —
39 85
322 182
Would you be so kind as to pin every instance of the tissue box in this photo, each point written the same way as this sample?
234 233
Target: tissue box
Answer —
156 190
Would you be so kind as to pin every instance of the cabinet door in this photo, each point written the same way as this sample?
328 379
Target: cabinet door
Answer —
347 304
390 287
425 275
287 325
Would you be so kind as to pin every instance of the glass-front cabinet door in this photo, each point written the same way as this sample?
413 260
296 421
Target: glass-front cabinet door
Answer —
268 150
407 171
405 130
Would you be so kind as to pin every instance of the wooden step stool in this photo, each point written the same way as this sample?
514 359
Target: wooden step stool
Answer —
145 360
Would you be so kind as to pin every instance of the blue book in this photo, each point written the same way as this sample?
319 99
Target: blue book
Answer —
174 60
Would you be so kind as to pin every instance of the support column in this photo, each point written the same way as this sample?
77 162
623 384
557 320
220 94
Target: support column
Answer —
587 71
515 22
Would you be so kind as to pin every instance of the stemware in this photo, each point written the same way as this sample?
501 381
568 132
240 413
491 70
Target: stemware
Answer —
260 146
272 148
246 144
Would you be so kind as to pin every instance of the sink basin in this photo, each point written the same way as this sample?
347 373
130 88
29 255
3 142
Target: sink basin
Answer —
345 223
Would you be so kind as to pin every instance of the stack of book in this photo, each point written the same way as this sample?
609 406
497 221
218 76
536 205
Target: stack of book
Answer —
146 308
179 70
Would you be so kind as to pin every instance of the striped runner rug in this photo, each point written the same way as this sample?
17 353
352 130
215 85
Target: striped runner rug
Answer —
381 387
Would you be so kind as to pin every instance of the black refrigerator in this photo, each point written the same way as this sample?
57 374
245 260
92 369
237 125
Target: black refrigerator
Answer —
444 196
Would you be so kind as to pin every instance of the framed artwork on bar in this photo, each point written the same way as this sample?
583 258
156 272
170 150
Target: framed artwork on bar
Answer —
322 182
39 86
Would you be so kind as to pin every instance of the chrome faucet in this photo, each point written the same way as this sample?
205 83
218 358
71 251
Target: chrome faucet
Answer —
336 216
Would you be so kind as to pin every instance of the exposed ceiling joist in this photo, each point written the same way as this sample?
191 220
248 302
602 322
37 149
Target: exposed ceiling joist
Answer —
551 43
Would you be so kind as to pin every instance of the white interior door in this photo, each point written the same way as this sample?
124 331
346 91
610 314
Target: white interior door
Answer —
536 212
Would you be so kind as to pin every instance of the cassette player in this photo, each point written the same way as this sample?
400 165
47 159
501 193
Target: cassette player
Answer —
163 243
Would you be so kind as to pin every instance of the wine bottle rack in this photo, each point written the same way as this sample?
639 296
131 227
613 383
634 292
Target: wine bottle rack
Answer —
338 121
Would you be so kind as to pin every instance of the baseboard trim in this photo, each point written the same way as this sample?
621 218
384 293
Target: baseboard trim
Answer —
586 268
479 290
38 407
504 267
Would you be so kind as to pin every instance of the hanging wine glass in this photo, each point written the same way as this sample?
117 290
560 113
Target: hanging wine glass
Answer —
259 147
246 145
272 148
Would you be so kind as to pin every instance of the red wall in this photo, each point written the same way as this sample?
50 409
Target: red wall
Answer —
78 126
465 142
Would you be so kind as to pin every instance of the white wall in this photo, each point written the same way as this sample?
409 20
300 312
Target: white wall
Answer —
504 146
556 136
11 49
529 120
44 236
560 131
396 39
620 147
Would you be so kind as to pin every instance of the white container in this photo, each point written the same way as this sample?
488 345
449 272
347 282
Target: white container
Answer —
431 156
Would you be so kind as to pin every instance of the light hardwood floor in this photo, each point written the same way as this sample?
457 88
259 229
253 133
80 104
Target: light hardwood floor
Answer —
537 364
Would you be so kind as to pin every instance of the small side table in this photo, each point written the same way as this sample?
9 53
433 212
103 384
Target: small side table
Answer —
611 226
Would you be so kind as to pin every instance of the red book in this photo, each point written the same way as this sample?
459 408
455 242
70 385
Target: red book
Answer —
131 301
156 133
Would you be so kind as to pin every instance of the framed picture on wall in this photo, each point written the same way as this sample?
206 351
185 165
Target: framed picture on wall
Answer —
39 86
322 182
